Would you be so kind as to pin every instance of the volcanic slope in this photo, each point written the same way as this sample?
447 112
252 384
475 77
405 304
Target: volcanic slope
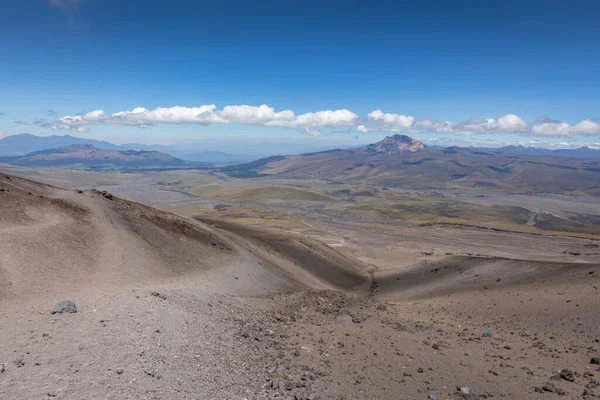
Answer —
124 265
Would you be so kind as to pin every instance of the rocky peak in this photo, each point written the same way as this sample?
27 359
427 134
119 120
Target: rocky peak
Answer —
396 144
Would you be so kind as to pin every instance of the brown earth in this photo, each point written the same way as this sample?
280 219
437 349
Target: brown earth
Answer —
171 308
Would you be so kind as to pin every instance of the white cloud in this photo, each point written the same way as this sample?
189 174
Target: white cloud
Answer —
207 115
512 123
506 124
586 127
202 115
311 123
262 115
267 116
328 118
493 143
391 121
435 126
552 129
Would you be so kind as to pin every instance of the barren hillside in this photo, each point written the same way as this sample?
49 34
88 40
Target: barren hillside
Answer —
171 308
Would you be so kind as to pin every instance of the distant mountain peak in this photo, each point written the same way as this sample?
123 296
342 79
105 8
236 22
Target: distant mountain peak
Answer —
396 144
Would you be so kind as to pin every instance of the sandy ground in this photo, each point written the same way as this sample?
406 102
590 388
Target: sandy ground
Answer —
170 308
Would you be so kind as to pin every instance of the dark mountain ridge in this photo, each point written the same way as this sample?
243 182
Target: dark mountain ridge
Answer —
429 168
87 156
20 145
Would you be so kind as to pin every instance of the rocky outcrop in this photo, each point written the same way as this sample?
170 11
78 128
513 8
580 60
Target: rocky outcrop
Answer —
396 144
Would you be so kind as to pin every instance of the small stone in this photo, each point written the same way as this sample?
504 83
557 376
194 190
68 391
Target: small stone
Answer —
465 390
436 346
159 295
420 370
488 333
567 375
120 371
432 396
549 387
51 394
66 306
595 360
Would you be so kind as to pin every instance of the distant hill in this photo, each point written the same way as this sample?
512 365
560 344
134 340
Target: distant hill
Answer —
86 156
581 152
402 163
19 145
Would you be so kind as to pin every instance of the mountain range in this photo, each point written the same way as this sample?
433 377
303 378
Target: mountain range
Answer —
87 156
235 152
19 145
397 161
402 162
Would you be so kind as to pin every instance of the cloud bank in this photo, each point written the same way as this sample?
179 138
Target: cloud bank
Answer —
313 123
309 123
509 123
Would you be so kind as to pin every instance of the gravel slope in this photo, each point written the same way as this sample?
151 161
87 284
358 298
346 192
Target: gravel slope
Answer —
170 308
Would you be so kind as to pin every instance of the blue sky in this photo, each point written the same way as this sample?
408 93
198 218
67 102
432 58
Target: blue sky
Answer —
443 71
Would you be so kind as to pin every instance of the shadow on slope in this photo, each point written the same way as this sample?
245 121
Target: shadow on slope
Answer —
457 274
304 257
